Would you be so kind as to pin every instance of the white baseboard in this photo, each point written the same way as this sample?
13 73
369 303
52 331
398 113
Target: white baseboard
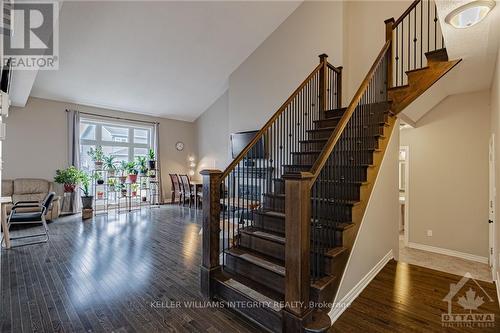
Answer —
346 301
453 253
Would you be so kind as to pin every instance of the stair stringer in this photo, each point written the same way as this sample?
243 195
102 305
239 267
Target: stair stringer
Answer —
419 81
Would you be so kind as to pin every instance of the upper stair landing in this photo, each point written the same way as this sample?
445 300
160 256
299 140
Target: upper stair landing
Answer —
421 79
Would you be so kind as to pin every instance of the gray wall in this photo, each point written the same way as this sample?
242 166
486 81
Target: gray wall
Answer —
448 174
37 140
212 131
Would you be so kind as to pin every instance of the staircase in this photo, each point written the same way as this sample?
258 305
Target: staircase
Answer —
280 222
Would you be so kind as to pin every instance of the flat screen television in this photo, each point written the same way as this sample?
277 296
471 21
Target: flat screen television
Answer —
240 140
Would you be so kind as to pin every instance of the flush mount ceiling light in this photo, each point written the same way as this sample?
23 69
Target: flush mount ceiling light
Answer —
470 14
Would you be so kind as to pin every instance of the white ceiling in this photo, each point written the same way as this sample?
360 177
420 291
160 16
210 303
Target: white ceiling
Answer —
477 46
168 59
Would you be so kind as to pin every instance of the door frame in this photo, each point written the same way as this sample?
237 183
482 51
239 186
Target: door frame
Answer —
406 231
492 246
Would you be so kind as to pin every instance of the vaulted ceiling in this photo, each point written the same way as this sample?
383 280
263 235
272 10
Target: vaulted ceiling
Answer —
162 58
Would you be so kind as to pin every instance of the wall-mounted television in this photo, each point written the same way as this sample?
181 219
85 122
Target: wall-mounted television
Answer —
241 139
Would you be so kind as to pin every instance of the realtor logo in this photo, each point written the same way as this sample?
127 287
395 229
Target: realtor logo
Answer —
464 304
31 38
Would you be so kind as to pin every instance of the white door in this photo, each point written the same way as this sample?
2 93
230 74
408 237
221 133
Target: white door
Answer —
492 208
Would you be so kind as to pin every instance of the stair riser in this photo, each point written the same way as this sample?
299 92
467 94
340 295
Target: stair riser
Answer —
344 143
334 113
269 223
365 118
348 173
324 134
263 246
279 186
270 279
345 191
274 203
268 318
335 212
359 157
308 146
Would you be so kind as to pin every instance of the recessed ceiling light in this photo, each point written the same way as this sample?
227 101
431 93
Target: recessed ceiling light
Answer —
470 14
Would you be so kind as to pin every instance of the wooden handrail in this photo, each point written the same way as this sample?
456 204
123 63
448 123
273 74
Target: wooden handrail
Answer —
268 124
335 136
406 12
336 69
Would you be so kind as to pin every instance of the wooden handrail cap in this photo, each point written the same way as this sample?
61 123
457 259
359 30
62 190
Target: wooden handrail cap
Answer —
298 175
323 55
390 20
207 172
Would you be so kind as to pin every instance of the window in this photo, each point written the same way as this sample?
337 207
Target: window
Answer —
123 140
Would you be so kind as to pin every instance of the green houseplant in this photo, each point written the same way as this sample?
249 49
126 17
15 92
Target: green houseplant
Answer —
123 172
152 161
132 172
97 155
109 165
87 199
141 164
69 177
111 184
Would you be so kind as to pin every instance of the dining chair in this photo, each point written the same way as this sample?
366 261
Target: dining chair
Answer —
187 193
176 186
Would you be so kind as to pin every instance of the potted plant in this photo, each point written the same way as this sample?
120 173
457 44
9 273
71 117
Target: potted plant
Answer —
123 190
132 172
69 177
152 161
141 164
109 164
123 170
87 199
100 195
111 184
98 177
134 188
97 155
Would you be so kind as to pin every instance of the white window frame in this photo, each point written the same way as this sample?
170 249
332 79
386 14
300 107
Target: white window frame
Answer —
99 123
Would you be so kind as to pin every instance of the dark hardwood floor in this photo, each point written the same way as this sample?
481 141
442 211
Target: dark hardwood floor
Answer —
409 298
119 273
126 273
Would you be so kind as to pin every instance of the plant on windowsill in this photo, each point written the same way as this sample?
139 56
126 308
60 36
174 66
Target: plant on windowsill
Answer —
69 177
141 165
152 161
97 155
132 172
87 199
109 165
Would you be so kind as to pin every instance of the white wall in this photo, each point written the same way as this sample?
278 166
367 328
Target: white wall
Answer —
212 131
495 128
378 233
260 85
448 174
37 140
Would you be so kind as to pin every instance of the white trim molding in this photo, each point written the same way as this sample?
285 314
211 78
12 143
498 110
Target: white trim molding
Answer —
346 301
453 253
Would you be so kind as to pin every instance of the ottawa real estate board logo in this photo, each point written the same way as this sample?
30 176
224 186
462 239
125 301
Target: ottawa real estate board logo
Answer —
30 35
466 301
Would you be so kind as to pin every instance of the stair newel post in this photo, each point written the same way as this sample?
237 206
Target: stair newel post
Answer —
211 230
297 250
389 27
339 87
323 84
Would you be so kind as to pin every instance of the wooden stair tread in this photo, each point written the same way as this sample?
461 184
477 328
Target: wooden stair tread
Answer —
337 201
323 282
254 290
268 235
271 213
258 259
437 55
335 252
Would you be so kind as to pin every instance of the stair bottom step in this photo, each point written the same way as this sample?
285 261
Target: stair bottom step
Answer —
250 301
